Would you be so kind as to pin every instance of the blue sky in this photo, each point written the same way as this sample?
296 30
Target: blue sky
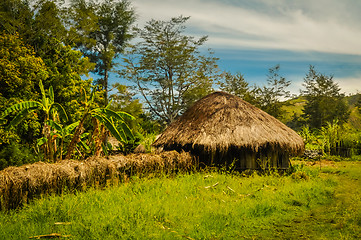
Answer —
252 36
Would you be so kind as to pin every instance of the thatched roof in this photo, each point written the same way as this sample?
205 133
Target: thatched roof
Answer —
221 121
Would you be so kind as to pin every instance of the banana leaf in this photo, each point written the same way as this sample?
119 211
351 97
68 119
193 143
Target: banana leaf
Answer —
68 129
41 86
120 136
21 106
54 125
41 141
60 110
125 128
51 94
20 116
125 115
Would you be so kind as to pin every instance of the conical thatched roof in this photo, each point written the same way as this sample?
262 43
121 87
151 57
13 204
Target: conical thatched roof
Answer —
221 121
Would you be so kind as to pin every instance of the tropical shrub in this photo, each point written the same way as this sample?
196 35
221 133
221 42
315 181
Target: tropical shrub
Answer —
50 110
16 154
105 121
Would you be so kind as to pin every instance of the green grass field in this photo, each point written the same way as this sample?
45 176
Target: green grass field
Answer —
320 201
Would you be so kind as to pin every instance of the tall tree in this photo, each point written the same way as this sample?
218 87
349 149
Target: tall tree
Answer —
236 84
40 25
168 68
38 22
123 100
20 73
15 16
270 97
106 26
325 102
358 102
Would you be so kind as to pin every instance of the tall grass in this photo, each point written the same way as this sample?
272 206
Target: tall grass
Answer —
333 139
207 205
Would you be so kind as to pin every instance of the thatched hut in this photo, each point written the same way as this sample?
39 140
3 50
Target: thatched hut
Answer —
223 129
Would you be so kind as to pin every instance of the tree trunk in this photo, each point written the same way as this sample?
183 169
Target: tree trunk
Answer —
105 86
76 137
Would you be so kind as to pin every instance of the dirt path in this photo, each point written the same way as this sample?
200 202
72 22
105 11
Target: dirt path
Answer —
341 219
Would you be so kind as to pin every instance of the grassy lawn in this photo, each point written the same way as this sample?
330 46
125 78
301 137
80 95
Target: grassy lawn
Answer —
320 201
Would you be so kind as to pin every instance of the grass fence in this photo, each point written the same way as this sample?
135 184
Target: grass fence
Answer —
19 185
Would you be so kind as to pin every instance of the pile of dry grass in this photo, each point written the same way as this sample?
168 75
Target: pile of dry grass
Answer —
19 185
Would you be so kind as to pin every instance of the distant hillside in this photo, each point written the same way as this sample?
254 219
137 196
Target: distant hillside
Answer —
292 107
355 115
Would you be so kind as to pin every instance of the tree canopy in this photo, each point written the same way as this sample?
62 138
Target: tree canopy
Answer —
325 102
101 31
270 98
168 67
48 48
235 84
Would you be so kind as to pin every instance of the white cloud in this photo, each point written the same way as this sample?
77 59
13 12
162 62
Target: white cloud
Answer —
323 26
323 32
350 85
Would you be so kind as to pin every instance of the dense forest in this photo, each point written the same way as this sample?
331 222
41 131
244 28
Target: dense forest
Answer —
51 109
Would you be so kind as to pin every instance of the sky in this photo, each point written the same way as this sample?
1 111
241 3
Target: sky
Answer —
251 36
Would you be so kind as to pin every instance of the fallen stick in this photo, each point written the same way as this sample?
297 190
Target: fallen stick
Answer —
212 185
62 223
231 189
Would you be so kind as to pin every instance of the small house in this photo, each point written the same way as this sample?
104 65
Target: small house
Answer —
223 129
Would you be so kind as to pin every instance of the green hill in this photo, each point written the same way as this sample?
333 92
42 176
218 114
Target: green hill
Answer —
293 107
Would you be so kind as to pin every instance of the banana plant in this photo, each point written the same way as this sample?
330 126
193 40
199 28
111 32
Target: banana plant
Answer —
47 105
60 132
102 118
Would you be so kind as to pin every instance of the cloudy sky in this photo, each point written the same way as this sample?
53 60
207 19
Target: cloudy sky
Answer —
252 36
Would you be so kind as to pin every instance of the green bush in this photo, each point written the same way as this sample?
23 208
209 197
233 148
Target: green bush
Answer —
15 154
333 139
129 146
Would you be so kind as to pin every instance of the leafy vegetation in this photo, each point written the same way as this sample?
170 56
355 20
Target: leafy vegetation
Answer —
102 119
101 31
168 68
51 110
48 48
325 102
15 154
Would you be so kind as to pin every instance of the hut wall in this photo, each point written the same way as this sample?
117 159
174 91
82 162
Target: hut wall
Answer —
240 159
251 161
284 161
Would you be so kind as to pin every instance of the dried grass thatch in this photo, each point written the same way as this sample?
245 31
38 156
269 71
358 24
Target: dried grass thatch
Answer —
221 122
18 185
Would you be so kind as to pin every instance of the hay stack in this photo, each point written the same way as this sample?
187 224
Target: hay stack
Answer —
18 185
222 127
